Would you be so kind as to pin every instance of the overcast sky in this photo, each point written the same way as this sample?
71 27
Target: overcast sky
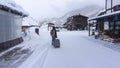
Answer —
41 9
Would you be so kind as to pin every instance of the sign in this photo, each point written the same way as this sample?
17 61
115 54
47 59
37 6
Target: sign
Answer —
106 25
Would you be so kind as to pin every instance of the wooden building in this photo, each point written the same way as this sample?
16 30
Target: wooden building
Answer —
10 24
76 22
108 23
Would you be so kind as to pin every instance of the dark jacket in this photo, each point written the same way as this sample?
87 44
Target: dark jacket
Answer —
53 33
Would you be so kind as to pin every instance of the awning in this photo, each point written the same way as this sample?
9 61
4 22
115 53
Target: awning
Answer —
113 15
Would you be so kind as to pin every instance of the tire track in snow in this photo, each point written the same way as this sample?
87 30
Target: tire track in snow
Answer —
39 54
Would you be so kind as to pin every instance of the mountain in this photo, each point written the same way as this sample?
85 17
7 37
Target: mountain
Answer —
89 11
57 22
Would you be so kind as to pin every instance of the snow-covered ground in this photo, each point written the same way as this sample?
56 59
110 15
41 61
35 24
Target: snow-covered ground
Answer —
77 51
40 46
34 47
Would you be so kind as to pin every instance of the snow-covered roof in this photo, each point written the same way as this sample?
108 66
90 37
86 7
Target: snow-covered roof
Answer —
105 15
11 6
28 21
101 11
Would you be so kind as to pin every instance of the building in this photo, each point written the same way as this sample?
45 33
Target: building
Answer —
11 16
76 22
108 22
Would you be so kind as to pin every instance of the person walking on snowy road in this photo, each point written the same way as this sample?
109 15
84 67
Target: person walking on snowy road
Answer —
53 34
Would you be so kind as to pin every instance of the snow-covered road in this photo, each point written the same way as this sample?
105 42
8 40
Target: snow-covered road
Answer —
78 52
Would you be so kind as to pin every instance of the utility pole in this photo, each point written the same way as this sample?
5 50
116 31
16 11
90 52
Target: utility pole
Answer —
105 6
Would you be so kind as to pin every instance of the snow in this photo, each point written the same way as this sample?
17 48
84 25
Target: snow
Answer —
39 45
12 5
89 11
35 39
36 44
77 51
28 21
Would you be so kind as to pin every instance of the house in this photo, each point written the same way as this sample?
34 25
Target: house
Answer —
76 22
11 16
108 23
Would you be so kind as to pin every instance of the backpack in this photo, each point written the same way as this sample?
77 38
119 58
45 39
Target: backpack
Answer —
52 33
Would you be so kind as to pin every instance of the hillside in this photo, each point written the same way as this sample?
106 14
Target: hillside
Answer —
89 11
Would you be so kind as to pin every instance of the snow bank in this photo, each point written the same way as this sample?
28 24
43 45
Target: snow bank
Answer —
39 45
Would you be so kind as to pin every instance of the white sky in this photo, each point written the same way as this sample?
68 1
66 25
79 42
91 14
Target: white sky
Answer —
41 9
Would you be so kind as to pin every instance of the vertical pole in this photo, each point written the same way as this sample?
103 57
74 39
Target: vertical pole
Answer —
89 28
105 6
111 5
109 25
114 29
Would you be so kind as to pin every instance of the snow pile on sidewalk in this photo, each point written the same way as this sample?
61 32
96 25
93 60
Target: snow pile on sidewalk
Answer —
39 44
32 51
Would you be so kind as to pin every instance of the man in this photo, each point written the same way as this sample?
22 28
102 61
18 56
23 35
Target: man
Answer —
53 35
